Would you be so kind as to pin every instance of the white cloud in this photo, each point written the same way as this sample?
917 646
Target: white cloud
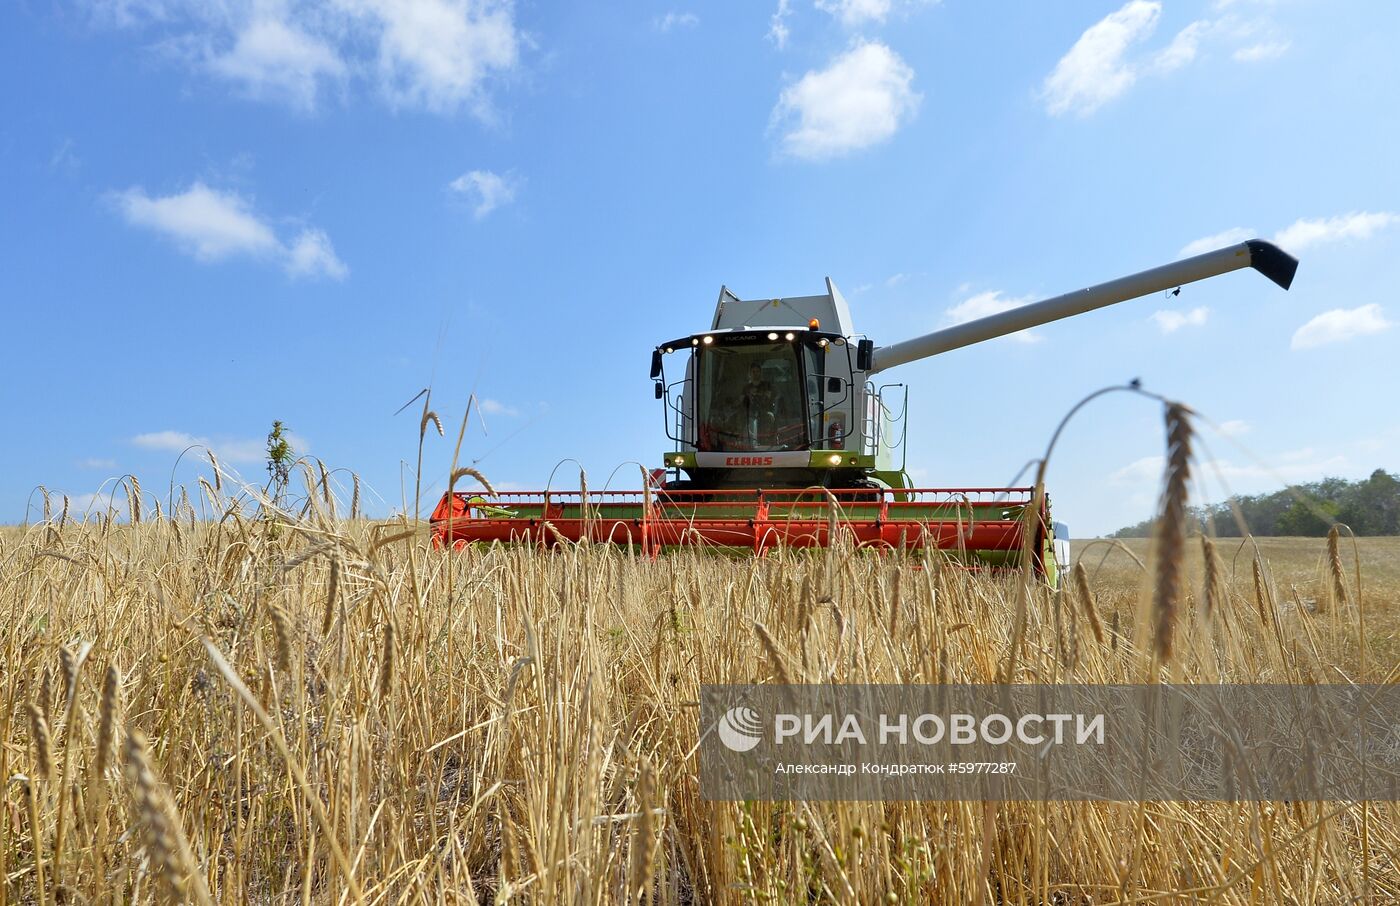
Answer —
859 100
894 280
1264 50
230 450
1340 324
100 503
273 59
311 255
1141 470
1233 236
989 303
209 224
1095 71
1104 63
676 20
437 55
1183 48
1235 428
64 158
176 441
486 190
212 226
856 12
494 407
1303 233
777 26
1356 225
97 462
1293 467
1170 320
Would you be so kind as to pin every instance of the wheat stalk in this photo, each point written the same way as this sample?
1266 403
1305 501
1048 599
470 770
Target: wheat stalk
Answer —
1334 565
1171 531
1086 597
68 666
31 803
1211 561
282 634
332 586
774 652
165 841
468 472
43 741
46 697
386 663
107 718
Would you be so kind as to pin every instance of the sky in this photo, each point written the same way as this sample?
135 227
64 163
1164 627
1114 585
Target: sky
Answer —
218 214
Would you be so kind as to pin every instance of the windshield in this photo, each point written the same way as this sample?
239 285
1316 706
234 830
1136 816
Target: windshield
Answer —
750 398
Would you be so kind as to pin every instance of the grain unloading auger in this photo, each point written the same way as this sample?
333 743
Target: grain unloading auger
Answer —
781 435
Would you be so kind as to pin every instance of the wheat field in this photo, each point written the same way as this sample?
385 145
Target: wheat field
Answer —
314 709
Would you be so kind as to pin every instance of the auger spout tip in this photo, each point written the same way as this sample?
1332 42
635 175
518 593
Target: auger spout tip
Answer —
1272 261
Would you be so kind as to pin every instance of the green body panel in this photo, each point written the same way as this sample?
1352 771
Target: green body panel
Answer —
816 459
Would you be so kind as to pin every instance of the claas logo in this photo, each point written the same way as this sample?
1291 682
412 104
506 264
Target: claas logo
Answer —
748 460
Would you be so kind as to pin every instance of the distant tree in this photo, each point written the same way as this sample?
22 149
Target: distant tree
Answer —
1307 519
1370 507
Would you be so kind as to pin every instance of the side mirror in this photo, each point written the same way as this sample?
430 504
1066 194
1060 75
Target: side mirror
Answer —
660 390
865 355
833 385
655 365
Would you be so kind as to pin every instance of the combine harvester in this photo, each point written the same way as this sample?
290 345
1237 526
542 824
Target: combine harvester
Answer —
781 436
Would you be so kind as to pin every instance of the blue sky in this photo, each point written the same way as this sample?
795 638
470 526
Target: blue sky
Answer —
218 214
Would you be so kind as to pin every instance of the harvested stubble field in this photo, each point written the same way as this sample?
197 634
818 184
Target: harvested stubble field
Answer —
330 711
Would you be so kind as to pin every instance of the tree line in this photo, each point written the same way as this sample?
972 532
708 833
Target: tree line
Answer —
1370 506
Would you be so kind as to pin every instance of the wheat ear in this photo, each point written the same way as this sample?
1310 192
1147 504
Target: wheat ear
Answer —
165 840
1086 596
1171 531
1334 565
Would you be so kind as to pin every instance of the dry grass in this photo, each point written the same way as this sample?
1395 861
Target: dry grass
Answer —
1297 572
334 713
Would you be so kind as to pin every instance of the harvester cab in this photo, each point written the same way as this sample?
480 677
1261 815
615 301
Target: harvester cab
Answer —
783 435
776 395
